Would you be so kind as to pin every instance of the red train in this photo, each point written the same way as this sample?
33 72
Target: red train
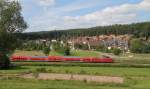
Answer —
61 59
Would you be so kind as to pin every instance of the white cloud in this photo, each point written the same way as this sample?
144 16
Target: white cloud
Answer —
13 0
41 2
78 5
144 5
121 14
45 2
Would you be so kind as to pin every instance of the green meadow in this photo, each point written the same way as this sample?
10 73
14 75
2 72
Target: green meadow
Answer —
135 71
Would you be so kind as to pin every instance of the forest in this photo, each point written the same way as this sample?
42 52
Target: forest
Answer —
138 30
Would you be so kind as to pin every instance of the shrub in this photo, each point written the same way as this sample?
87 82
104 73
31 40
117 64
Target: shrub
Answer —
116 51
67 51
58 47
46 51
136 45
85 80
4 61
139 46
146 48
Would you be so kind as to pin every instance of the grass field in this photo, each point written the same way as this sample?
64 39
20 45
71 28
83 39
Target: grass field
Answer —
110 71
28 53
45 84
135 70
135 78
53 53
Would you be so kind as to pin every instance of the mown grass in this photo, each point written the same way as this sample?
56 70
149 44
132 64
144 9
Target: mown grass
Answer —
54 53
82 53
56 84
135 78
111 71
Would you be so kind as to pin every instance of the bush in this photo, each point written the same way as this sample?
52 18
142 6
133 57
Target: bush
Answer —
58 47
146 48
4 61
67 51
46 51
139 46
116 51
85 80
82 46
136 45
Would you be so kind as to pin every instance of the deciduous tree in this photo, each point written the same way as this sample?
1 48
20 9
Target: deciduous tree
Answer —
11 21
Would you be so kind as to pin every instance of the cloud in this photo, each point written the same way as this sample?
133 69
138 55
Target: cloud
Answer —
144 5
77 5
14 0
120 14
41 2
45 2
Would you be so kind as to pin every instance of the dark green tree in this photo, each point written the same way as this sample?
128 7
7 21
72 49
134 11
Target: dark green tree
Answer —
67 50
138 30
136 45
11 21
116 51
46 50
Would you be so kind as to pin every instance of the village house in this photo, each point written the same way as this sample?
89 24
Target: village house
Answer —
111 41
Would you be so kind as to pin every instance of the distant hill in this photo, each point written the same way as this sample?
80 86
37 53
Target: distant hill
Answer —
136 29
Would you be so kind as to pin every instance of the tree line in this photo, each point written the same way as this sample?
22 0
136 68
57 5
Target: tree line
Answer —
138 30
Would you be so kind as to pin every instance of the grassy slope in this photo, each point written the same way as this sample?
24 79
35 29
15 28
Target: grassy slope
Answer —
28 53
79 53
73 53
85 53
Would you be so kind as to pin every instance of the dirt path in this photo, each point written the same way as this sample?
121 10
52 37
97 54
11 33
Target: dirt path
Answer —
88 78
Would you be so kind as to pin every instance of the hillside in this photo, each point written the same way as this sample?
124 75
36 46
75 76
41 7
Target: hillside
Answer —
135 29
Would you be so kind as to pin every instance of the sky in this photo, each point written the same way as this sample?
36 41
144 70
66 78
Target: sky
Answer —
48 15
